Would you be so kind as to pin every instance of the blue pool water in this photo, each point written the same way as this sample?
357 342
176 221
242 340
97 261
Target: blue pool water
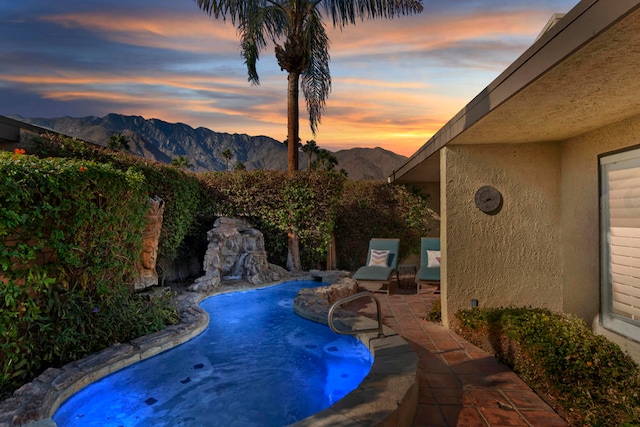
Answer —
257 364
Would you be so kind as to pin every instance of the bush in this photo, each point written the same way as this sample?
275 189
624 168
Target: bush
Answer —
309 203
70 238
316 204
375 209
276 203
181 191
592 382
435 313
77 221
46 325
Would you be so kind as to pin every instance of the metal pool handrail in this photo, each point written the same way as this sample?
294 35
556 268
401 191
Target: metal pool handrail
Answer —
350 298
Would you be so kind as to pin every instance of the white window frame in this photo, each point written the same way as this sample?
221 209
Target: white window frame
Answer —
627 223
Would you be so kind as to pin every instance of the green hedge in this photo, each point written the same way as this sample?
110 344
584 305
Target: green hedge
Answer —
276 202
85 219
70 238
591 381
375 209
312 203
181 191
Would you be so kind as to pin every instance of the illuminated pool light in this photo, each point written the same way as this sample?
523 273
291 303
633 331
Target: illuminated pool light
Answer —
257 364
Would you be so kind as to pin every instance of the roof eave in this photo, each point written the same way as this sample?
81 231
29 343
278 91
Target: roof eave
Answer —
580 25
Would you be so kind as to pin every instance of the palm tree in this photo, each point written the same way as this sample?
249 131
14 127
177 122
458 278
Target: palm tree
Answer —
310 148
304 50
118 141
227 156
240 167
181 162
325 159
298 32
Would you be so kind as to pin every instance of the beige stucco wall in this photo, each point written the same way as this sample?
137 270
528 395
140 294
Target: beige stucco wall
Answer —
580 225
542 249
580 221
511 258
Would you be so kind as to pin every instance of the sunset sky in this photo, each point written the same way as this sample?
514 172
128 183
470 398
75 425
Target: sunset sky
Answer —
394 82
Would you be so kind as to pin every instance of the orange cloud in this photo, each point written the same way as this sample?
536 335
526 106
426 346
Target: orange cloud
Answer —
379 83
189 33
76 79
359 113
198 32
424 32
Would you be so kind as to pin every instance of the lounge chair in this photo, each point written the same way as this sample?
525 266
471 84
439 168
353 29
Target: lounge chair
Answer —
429 262
382 264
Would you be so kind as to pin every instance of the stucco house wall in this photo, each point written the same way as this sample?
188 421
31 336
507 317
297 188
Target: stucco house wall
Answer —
580 221
513 257
543 248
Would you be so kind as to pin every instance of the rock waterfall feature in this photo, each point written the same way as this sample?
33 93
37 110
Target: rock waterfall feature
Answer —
236 252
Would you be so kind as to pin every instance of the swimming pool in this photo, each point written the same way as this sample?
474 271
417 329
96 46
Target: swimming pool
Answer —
257 364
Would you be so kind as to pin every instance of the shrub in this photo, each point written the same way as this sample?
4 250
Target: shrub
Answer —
310 203
70 238
435 313
276 203
180 190
592 382
77 221
375 209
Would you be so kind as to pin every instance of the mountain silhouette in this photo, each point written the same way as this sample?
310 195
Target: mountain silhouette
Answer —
162 141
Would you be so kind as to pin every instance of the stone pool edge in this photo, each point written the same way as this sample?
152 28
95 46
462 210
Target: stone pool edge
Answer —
388 396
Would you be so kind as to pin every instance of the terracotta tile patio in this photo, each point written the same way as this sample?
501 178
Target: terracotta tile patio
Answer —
459 384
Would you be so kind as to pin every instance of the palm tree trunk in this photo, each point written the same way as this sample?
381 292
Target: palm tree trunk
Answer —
293 127
293 132
293 255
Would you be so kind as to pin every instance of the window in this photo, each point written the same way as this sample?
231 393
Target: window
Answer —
620 242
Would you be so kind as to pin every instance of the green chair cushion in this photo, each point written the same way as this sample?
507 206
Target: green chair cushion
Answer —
374 273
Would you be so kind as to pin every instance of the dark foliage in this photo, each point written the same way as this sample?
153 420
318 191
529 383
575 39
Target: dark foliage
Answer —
591 381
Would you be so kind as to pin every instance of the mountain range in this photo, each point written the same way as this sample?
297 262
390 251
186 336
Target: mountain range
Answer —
162 141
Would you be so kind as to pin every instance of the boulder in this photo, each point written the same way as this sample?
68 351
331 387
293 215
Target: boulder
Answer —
314 303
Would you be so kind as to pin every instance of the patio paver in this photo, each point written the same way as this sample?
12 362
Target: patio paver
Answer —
459 384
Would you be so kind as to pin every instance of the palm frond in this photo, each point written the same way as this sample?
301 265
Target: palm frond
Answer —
300 24
254 28
236 10
316 78
348 12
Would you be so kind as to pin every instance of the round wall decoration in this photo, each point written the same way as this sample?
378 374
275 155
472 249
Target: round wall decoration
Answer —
488 200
